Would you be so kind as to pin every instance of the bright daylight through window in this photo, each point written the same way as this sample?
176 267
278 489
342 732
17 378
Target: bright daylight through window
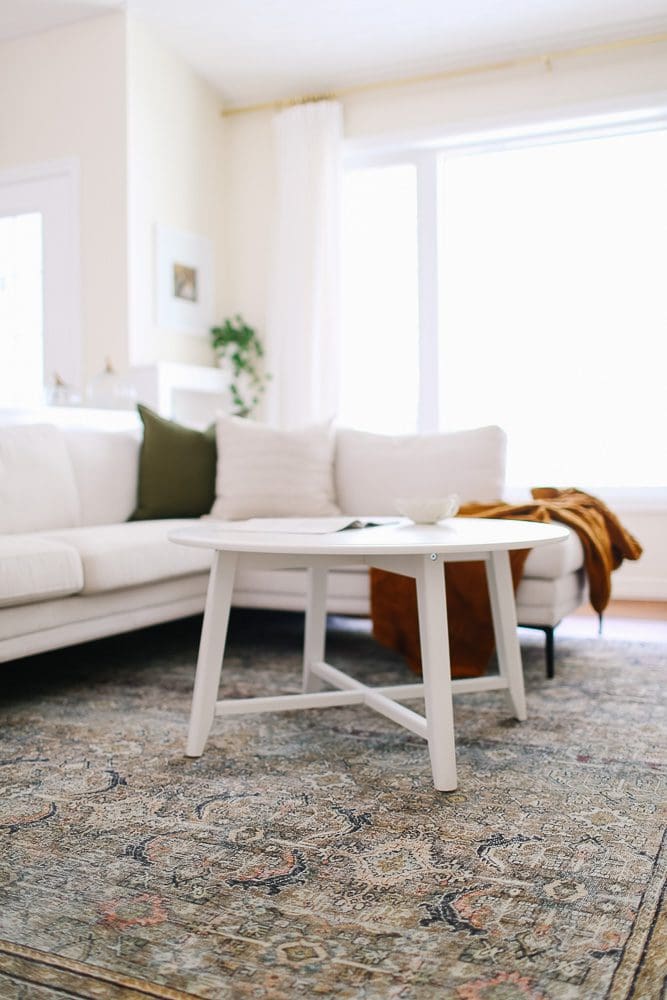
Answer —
552 306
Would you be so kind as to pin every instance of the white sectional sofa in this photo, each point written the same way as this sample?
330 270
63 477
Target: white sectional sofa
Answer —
74 568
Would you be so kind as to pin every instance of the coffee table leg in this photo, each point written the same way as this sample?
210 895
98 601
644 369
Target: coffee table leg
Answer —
211 650
315 626
503 610
436 670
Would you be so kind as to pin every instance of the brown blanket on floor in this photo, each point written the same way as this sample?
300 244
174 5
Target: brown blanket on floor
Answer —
605 542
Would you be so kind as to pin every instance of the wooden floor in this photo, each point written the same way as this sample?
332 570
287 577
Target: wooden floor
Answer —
641 621
646 610
634 621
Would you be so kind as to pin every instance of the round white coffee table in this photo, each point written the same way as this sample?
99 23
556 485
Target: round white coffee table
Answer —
413 550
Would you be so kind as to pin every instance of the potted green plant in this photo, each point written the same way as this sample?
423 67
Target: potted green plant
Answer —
239 349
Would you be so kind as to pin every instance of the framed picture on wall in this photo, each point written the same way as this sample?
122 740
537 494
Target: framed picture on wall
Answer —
183 281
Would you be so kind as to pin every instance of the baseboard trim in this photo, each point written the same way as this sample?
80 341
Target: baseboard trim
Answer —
646 589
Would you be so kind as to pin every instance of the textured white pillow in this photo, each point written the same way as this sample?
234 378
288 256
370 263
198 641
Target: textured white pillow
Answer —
266 472
372 470
37 484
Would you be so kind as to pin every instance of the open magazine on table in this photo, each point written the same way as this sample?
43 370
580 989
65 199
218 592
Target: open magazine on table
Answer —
305 525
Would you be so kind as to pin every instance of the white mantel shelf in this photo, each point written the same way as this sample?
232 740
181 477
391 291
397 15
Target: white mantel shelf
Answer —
192 394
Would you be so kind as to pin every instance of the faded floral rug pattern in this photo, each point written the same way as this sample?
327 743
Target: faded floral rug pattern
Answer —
306 854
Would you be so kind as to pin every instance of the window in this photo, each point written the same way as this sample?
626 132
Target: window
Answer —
552 312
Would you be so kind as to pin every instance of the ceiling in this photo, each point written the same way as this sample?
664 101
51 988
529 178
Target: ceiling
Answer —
261 50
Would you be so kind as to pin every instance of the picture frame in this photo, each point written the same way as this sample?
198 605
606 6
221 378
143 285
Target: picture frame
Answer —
184 294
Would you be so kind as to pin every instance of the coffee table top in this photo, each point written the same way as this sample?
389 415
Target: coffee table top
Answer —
455 535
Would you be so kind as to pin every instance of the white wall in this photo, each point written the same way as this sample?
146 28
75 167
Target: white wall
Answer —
63 96
645 579
623 80
611 81
176 168
149 140
249 191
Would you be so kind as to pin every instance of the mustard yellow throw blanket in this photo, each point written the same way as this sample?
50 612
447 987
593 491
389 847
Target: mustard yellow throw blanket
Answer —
605 542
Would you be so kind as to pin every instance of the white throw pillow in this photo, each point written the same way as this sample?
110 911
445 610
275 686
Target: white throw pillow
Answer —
266 472
37 485
373 470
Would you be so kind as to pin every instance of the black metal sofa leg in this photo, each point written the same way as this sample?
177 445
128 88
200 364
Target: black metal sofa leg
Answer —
549 645
549 650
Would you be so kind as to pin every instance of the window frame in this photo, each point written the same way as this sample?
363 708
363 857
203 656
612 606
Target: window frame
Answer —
425 153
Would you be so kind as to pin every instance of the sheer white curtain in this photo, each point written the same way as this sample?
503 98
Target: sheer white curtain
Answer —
303 336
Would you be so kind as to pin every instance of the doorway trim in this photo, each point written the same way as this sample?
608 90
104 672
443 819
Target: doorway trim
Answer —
53 189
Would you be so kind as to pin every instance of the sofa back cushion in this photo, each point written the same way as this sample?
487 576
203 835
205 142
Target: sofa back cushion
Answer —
37 485
372 470
105 464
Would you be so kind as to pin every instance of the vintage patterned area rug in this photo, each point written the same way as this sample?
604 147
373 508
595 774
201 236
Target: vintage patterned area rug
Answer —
306 854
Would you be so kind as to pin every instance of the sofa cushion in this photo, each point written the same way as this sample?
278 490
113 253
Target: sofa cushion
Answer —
105 468
546 602
548 562
372 470
37 484
33 568
130 554
549 593
268 472
176 469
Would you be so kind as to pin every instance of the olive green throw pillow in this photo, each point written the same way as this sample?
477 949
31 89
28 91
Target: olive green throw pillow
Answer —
176 469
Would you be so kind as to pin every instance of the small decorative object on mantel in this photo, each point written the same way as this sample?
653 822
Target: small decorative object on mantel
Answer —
59 393
240 350
110 391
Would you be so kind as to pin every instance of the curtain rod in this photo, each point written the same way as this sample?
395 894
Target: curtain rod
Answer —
544 59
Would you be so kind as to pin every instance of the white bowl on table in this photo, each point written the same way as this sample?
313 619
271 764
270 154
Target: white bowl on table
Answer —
428 510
